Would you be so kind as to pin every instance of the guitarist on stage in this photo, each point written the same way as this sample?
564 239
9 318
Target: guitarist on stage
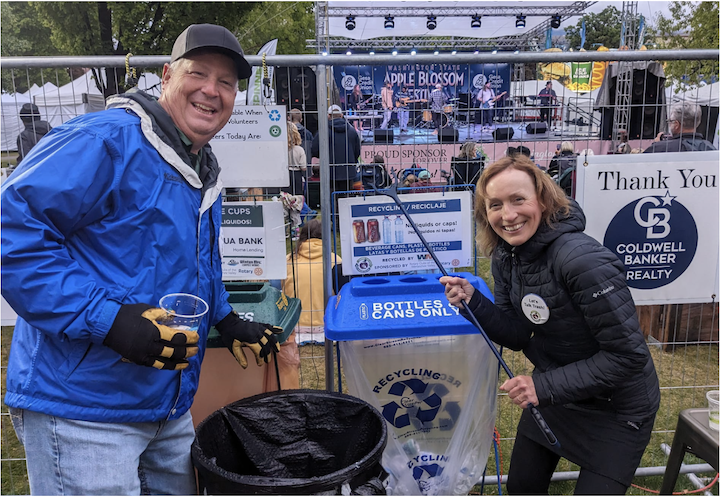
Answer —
403 109
485 101
355 103
388 103
401 103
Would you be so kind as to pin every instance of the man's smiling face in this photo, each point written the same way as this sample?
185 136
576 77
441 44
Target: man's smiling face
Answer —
199 94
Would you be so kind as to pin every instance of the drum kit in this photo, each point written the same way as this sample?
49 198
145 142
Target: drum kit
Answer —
446 119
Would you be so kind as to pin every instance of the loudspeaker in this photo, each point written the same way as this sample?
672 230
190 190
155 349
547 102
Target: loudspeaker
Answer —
647 97
448 134
296 89
644 111
503 134
384 136
536 128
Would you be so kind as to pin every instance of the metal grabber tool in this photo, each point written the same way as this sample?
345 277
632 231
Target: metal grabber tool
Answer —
539 420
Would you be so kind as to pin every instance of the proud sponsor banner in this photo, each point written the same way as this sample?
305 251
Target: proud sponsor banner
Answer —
379 239
659 214
252 234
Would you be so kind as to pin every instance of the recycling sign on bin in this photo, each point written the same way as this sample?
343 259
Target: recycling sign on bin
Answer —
408 352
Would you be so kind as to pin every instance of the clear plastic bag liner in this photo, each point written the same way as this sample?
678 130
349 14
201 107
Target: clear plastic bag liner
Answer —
437 395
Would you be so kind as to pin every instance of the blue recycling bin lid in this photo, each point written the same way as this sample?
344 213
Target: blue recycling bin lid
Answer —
404 306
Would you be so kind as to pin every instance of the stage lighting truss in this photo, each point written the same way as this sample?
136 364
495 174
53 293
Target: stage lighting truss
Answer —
520 21
350 23
389 22
431 22
475 22
555 21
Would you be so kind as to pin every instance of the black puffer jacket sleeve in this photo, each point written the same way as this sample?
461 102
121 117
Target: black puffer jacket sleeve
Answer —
500 321
595 280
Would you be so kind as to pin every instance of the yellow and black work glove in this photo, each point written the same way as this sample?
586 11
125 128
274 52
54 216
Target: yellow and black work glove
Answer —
139 338
237 333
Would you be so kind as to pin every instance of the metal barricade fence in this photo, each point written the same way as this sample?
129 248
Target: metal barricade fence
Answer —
683 338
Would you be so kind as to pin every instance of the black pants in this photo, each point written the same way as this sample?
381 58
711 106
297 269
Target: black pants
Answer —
545 116
437 119
532 466
296 184
484 116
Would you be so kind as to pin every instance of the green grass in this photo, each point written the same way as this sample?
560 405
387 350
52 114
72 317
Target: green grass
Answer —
679 371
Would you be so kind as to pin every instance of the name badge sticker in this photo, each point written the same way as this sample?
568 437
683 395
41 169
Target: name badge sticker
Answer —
535 308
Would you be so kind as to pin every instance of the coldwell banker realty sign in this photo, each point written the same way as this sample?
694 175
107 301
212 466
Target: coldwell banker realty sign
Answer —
659 214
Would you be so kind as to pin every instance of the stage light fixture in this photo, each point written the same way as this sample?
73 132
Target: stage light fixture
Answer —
494 51
436 52
555 21
413 51
476 51
454 52
389 22
350 23
520 21
394 51
372 51
475 23
324 52
431 22
349 52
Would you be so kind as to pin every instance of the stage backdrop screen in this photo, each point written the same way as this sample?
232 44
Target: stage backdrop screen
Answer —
422 78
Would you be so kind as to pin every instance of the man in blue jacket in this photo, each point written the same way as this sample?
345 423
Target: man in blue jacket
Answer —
109 212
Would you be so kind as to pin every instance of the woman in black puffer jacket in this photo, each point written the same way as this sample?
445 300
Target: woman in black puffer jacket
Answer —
561 297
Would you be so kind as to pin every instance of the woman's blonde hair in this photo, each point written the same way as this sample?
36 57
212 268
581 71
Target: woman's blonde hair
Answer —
293 135
550 196
467 150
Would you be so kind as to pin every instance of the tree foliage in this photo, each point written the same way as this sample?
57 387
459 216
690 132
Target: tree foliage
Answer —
691 25
602 28
290 22
22 35
144 28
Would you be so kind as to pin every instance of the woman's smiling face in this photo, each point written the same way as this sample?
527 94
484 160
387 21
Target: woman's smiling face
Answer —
513 209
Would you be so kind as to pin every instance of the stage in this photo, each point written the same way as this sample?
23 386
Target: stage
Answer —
521 132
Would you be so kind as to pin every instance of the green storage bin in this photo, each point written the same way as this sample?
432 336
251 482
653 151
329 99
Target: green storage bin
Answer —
267 305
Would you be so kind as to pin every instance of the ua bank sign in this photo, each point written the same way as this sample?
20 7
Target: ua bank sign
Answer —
659 214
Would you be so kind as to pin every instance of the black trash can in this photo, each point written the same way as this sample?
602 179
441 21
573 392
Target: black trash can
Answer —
294 442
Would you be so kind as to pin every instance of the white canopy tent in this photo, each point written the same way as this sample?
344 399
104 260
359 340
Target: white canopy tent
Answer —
78 97
10 123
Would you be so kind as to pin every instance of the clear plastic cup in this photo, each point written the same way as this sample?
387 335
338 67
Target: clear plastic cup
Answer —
185 311
713 398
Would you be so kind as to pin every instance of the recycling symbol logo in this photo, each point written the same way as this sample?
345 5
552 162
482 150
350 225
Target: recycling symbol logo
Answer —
274 115
418 403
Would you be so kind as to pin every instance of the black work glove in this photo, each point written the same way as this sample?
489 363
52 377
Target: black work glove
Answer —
138 335
237 333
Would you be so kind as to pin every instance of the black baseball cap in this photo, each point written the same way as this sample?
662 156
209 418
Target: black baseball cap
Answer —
211 37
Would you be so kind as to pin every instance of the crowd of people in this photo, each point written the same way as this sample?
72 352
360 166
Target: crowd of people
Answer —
99 385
